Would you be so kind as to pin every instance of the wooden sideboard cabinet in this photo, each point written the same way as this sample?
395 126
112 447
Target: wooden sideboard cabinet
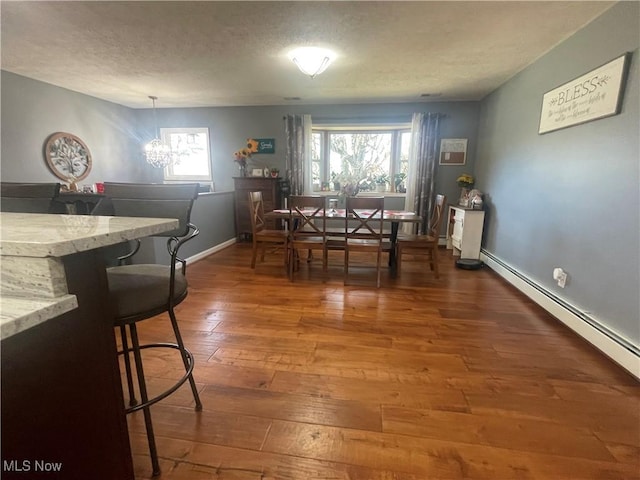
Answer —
464 231
271 189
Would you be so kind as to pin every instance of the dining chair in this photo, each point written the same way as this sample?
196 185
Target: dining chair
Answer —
28 197
261 236
308 229
424 244
365 234
142 291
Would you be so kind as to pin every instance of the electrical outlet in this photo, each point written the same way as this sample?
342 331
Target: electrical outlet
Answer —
562 280
560 276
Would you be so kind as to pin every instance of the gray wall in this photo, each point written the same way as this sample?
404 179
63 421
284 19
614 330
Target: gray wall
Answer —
230 127
569 198
32 111
211 215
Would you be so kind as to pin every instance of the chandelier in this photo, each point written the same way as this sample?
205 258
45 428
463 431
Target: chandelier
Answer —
311 61
157 153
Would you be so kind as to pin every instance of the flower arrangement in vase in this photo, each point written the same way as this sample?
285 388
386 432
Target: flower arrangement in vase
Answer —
349 189
465 182
244 154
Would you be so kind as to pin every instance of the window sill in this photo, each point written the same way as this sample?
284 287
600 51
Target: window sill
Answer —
362 194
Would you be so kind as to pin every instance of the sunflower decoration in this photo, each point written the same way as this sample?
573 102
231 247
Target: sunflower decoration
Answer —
242 155
252 145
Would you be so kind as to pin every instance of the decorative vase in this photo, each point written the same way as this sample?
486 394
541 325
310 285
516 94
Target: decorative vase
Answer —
464 197
350 189
243 170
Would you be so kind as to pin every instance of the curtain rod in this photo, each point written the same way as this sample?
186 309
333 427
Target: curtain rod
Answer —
369 118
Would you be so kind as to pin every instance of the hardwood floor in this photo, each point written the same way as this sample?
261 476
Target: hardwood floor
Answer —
457 378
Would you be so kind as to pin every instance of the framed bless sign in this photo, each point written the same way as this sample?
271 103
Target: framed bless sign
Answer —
594 95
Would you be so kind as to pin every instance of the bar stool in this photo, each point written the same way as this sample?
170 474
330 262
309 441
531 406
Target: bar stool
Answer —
142 291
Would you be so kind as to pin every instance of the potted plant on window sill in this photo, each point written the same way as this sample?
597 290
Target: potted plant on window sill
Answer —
398 181
381 182
335 181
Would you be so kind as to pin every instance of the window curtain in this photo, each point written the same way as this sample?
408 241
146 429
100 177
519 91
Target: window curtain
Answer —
423 154
298 137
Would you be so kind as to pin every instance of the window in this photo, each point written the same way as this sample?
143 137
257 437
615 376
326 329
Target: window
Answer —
191 154
367 156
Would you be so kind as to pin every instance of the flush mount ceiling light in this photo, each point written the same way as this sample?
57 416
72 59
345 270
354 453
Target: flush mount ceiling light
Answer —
156 151
311 61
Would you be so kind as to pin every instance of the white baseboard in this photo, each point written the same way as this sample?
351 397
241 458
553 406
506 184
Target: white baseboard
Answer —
603 342
210 251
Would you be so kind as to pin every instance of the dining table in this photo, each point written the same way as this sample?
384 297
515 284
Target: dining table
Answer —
393 217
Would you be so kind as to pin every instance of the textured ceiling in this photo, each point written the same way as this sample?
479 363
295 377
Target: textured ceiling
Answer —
192 54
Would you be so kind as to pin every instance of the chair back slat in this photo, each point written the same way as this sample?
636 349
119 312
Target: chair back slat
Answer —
155 201
367 236
261 236
308 215
435 221
28 197
307 228
367 214
424 243
256 212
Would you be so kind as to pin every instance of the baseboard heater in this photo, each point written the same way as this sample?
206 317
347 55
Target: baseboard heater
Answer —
618 348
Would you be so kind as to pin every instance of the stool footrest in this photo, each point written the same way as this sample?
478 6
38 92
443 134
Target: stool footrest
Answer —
175 387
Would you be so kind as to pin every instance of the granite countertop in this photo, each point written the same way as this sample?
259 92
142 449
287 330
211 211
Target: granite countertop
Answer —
33 284
18 314
46 235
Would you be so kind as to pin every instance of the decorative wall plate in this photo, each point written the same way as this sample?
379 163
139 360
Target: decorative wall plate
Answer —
68 157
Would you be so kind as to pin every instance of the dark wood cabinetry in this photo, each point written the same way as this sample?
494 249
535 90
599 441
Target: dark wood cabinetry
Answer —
271 189
62 401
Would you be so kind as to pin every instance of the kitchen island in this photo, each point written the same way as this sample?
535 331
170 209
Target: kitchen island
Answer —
62 401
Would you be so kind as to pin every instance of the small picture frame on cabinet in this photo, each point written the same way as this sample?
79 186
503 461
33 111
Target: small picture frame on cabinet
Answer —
257 172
